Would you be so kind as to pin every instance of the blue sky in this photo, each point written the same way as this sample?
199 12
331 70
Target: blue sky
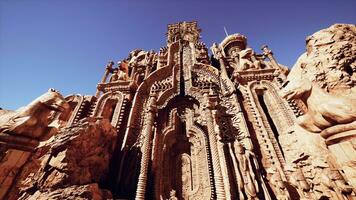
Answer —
66 44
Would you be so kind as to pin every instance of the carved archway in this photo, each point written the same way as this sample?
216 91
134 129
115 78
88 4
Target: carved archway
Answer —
181 153
109 107
74 102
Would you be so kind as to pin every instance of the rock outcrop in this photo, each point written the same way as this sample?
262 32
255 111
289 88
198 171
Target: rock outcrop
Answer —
69 165
325 77
323 81
330 60
90 191
32 120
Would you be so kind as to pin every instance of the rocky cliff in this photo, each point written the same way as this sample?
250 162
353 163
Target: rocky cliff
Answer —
69 165
330 59
323 80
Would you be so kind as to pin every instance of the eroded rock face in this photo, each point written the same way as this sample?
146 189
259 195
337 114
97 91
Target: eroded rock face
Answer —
323 78
69 164
90 191
33 120
330 60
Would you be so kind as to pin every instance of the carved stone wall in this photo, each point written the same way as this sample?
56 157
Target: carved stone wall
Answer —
179 124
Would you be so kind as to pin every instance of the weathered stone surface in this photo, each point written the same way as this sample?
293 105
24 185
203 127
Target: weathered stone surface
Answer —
324 80
90 191
330 60
77 155
325 77
32 120
190 126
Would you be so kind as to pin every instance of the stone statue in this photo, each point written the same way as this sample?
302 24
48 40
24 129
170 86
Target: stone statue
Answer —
246 60
246 170
140 57
120 73
320 118
201 53
333 180
114 77
217 51
33 119
234 51
172 195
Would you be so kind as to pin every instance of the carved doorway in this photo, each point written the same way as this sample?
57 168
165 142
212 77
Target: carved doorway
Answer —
181 154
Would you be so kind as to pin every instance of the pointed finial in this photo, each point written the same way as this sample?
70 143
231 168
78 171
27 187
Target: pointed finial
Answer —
226 31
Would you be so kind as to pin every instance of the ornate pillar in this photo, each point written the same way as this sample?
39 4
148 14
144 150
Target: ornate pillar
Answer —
105 76
218 54
235 56
222 158
209 101
146 147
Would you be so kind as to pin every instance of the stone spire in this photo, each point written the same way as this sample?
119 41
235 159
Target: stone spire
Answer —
187 31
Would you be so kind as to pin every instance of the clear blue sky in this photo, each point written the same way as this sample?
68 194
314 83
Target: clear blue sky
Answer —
66 44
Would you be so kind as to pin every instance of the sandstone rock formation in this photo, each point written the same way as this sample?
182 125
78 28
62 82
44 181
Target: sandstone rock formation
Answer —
330 60
32 120
324 81
325 77
75 192
70 164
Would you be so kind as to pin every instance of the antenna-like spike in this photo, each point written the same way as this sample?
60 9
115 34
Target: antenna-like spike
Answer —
226 31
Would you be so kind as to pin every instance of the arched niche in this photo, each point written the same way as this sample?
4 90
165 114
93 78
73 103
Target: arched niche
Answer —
180 154
109 107
273 122
265 92
66 118
165 83
140 98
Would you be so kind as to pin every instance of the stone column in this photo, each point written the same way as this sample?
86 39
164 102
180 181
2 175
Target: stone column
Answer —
105 76
218 178
237 60
146 147
223 67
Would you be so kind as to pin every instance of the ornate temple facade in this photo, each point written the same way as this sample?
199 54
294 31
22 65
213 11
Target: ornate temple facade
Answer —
194 126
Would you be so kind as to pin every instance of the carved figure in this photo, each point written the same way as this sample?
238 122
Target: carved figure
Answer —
246 60
33 119
298 180
326 113
172 195
140 57
201 53
120 74
333 180
334 184
217 51
246 170
114 77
